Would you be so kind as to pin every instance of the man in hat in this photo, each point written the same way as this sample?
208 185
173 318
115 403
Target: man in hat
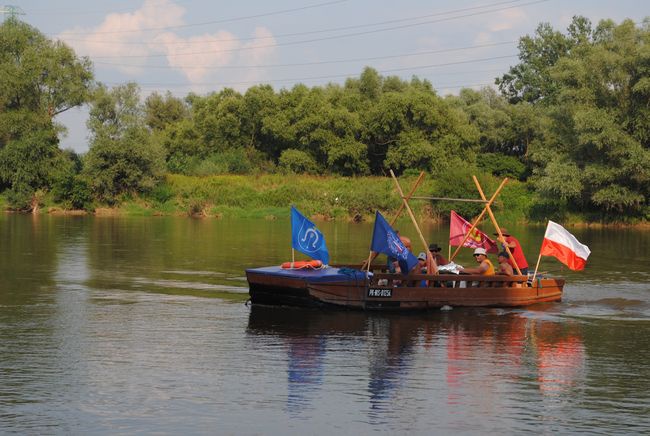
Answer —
485 266
435 252
515 249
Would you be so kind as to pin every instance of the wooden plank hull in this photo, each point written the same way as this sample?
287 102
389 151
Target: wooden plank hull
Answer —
333 289
405 298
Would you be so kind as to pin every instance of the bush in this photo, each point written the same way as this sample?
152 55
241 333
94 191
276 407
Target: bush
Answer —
19 197
162 193
233 161
298 162
501 165
73 192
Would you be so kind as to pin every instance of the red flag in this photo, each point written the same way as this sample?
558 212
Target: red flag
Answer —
458 228
558 242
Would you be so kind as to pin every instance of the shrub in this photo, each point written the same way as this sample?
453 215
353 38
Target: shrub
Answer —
297 161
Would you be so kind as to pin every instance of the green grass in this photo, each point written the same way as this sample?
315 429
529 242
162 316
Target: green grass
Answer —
269 196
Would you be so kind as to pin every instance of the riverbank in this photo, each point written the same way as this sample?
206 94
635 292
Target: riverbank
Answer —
325 198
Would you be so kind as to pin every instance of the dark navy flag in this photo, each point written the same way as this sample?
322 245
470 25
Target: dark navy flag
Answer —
306 238
385 240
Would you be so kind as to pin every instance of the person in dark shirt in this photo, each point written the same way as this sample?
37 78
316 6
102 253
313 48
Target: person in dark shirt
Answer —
435 252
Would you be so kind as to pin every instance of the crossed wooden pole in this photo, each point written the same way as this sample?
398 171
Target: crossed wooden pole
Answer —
487 209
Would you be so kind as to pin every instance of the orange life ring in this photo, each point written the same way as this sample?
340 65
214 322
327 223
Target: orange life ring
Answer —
309 264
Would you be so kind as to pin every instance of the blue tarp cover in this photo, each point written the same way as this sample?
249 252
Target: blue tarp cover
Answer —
312 275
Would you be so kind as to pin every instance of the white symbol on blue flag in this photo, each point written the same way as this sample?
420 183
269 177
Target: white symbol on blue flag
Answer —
306 238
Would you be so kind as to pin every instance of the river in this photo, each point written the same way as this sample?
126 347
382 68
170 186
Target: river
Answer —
139 325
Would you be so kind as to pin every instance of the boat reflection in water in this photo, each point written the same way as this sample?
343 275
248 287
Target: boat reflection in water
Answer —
465 360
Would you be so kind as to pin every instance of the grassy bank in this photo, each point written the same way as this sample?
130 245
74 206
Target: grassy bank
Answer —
340 198
329 198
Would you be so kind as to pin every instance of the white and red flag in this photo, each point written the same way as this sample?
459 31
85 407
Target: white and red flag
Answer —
558 242
458 228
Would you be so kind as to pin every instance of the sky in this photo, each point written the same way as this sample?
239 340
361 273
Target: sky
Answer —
203 46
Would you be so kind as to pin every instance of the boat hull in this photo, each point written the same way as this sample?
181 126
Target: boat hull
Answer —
286 287
352 290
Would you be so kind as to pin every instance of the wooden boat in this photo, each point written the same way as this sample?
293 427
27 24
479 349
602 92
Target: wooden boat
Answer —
349 288
355 288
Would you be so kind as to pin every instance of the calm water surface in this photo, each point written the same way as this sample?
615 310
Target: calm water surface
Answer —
138 325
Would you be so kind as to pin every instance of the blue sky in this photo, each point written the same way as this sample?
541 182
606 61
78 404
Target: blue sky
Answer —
204 46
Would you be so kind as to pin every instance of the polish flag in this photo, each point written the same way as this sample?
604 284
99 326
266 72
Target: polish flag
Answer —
564 246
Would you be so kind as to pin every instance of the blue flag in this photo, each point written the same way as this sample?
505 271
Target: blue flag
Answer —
306 238
385 240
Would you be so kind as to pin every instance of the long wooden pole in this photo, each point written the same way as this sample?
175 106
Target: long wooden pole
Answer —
536 266
430 259
479 218
397 215
462 200
408 197
496 225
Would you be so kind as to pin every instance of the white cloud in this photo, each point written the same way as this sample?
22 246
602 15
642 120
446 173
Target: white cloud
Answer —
196 56
118 39
508 19
129 40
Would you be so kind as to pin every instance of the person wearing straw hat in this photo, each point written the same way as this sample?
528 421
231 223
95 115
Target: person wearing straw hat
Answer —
515 248
485 266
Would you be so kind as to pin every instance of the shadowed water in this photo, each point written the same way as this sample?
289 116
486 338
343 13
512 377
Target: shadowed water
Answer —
138 325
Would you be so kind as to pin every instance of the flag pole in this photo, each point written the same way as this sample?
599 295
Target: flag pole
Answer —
430 259
397 214
478 219
496 225
368 267
536 266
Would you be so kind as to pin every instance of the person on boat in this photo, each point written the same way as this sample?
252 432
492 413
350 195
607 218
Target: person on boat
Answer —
435 252
515 248
485 266
421 268
504 267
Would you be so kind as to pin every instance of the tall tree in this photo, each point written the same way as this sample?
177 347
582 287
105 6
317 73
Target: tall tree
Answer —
122 156
41 78
596 153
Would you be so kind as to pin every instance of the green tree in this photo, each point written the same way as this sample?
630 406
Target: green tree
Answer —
595 153
122 158
163 111
40 79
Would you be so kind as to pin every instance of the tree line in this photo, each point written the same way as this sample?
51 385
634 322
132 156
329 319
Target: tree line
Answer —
571 120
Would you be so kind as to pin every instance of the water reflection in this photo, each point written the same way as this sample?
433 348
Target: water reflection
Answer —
113 324
487 358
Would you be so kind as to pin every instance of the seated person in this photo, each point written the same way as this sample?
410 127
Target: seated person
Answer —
435 252
485 266
504 267
421 268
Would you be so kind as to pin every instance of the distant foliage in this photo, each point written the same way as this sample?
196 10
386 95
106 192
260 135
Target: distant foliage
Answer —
297 162
570 120
39 78
123 158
